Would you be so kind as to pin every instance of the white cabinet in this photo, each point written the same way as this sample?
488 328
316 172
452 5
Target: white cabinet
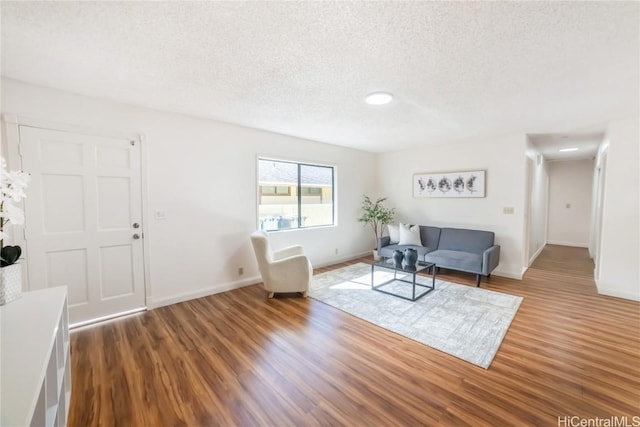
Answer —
35 376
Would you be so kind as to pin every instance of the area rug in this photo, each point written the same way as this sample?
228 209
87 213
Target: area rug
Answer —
464 321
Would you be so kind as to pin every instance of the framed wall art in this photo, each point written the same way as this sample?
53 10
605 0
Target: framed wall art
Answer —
449 184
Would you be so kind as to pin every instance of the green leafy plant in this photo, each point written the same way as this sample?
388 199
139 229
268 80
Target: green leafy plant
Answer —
376 214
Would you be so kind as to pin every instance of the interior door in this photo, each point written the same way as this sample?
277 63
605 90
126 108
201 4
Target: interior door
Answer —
83 220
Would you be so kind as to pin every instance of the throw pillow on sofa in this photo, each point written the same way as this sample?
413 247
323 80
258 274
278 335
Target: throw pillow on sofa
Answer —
410 235
394 233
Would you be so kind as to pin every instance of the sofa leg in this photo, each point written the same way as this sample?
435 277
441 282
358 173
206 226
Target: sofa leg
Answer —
478 280
270 295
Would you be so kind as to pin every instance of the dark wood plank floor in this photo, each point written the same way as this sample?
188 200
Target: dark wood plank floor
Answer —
239 359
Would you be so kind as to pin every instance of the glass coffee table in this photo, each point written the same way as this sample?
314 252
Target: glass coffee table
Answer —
405 271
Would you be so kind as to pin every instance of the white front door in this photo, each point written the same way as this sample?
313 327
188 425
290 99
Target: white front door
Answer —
84 220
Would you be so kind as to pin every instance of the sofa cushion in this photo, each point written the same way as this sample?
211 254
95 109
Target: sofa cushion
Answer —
394 233
429 236
457 260
460 239
410 235
387 251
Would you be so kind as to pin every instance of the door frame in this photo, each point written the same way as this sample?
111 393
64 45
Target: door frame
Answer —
12 123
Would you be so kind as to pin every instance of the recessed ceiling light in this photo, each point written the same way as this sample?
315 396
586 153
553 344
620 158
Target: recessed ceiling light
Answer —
378 98
565 150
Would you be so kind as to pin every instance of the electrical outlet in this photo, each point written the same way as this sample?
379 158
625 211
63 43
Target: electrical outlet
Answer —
160 214
507 210
240 271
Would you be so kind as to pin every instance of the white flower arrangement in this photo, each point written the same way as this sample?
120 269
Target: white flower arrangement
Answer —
12 185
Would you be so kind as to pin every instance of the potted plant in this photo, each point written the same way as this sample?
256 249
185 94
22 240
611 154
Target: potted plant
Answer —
12 185
377 216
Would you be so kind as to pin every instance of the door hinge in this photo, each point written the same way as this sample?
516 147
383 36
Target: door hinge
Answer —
24 233
20 149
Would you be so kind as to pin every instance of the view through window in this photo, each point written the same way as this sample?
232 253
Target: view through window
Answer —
294 195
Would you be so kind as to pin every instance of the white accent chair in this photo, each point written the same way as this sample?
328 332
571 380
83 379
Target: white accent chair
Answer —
283 270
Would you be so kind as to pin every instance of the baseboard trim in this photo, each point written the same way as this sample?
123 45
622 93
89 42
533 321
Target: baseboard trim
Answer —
117 316
536 255
610 292
342 259
573 244
204 292
507 274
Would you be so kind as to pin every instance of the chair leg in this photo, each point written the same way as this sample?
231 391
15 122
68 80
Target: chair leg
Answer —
305 294
478 280
270 295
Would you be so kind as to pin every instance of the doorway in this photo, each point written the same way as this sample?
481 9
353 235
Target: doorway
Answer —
83 220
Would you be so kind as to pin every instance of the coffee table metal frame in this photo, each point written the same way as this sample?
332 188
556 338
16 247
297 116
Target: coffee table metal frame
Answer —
388 264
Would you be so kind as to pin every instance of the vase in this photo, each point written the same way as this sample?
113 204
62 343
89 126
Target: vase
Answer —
10 283
397 257
410 257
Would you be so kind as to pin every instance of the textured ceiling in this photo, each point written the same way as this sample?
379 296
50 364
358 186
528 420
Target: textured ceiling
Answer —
549 145
457 69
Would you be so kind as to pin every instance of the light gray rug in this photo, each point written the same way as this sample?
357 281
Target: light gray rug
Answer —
464 321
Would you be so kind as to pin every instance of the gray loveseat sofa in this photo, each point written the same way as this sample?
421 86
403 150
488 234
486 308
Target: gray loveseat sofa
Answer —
472 251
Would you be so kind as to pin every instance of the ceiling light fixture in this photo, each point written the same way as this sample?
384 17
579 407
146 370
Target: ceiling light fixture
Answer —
566 150
378 98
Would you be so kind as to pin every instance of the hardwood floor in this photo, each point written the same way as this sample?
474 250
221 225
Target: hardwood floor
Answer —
240 359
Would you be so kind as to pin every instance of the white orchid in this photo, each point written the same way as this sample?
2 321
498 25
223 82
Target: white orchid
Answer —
12 185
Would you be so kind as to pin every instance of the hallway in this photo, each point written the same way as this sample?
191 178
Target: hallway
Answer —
568 268
565 259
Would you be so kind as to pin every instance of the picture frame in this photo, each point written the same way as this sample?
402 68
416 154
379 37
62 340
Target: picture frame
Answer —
457 185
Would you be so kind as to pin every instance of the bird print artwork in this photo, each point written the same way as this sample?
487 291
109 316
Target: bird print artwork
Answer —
440 184
431 185
422 184
471 184
458 184
444 184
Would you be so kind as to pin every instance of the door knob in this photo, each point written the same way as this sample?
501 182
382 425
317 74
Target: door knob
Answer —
136 225
136 236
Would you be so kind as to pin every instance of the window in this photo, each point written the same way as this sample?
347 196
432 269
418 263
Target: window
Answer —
312 191
273 190
294 195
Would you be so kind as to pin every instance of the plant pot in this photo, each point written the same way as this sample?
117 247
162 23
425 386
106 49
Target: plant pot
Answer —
10 283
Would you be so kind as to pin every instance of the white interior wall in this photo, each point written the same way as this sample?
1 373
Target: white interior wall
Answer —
203 174
618 263
504 160
198 248
570 202
539 200
599 172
